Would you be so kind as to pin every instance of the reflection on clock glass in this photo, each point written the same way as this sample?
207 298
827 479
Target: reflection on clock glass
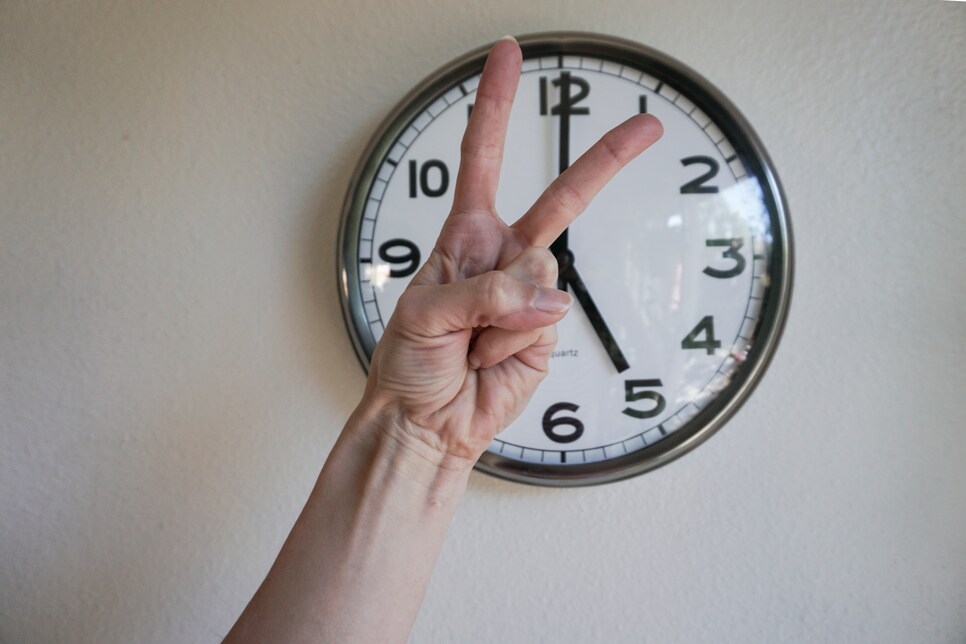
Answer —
675 252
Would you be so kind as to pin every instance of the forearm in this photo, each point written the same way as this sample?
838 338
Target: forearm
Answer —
466 346
357 563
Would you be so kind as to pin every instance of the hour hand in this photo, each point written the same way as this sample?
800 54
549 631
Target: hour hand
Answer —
570 277
564 258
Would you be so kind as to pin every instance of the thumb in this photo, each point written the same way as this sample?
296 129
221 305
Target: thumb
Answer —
491 299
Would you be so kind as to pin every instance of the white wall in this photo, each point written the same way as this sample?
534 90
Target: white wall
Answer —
174 367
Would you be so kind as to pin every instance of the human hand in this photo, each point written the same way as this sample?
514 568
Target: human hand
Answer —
472 335
461 355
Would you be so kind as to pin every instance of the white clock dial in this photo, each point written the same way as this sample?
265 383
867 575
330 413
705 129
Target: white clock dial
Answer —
680 266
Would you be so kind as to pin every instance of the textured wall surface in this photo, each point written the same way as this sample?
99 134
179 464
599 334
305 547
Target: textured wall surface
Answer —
174 367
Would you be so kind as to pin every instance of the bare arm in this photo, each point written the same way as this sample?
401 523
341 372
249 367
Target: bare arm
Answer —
358 560
466 347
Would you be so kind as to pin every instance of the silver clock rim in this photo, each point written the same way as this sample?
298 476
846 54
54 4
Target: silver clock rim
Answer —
752 153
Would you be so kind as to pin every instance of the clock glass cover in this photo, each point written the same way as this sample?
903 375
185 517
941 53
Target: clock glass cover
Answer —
681 266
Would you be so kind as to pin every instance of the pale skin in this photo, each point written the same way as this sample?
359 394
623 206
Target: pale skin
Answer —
468 344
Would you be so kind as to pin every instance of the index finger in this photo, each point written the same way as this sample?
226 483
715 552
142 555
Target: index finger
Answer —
481 152
571 192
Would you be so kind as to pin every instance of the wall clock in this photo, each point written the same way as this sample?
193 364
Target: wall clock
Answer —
681 268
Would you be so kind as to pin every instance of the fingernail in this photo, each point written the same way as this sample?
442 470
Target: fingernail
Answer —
509 38
474 361
551 300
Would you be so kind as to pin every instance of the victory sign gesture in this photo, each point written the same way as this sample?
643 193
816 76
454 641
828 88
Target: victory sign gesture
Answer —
471 337
467 345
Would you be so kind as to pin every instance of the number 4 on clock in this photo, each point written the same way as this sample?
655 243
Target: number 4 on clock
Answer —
706 328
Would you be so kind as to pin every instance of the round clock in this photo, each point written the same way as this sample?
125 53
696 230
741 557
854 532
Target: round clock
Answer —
680 268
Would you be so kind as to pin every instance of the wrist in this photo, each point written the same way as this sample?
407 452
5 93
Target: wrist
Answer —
415 452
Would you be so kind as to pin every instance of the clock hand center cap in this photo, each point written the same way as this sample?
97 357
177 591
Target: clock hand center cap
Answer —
565 260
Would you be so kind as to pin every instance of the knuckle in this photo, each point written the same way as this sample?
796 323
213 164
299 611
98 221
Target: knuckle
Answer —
495 294
566 196
545 266
408 305
484 346
536 265
484 150
610 146
493 100
550 337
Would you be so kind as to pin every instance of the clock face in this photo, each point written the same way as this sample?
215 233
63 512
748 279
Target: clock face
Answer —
683 260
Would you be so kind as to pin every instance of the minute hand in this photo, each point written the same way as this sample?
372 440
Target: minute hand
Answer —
571 277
